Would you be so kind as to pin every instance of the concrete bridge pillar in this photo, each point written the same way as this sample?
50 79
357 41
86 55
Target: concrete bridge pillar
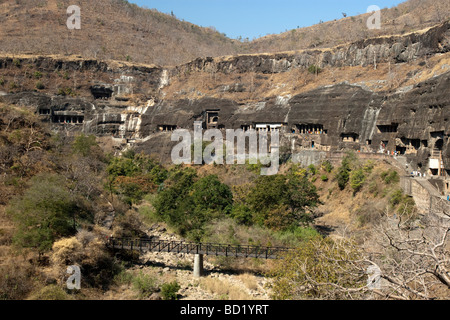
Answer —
198 265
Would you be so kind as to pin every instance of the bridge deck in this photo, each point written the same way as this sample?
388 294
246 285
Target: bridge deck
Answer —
246 251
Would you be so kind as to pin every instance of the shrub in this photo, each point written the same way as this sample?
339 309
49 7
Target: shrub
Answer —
390 176
327 166
51 292
296 236
312 169
2 81
396 198
39 85
123 277
315 269
66 251
357 178
404 204
242 214
83 144
368 166
38 75
13 85
343 174
324 178
169 290
314 69
373 188
16 280
44 213
65 92
145 285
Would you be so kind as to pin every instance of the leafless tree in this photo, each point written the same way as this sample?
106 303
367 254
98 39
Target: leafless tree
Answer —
409 258
415 256
406 258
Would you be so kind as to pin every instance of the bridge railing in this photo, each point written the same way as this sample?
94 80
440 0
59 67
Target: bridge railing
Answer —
248 251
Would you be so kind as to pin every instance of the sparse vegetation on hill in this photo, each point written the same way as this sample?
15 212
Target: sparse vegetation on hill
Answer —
56 208
62 194
119 30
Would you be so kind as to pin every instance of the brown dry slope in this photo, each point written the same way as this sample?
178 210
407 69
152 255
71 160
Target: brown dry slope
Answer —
407 17
116 29
110 29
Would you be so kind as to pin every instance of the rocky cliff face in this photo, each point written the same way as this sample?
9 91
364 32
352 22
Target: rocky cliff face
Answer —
395 49
134 103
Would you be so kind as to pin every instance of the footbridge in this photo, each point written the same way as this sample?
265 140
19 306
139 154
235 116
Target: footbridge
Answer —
197 249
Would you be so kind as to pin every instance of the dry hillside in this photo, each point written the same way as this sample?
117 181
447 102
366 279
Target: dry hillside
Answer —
118 30
110 29
407 17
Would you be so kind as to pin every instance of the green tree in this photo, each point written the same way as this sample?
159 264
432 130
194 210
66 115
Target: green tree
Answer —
134 175
327 166
343 174
188 203
271 194
390 176
43 214
169 291
211 194
173 203
268 192
84 144
301 197
320 269
242 214
357 178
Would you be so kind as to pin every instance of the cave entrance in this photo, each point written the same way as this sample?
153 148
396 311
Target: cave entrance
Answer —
439 144
212 119
101 92
350 137
166 128
415 143
44 111
309 129
387 128
400 150
68 119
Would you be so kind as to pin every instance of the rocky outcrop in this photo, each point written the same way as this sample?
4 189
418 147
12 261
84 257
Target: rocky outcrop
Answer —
128 102
395 49
333 118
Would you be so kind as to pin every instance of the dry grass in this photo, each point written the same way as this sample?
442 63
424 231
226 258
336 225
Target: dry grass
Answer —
224 290
249 280
110 30
341 208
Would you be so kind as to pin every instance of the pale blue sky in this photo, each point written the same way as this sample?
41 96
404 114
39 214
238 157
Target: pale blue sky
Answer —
255 18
